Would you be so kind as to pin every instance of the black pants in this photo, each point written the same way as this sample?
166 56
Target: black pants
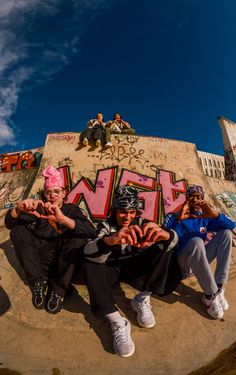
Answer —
53 259
146 272
95 133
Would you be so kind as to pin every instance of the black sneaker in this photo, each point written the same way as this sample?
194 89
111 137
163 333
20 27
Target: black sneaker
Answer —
39 291
54 302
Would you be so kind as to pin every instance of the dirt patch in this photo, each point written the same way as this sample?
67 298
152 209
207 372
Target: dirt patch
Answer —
7 371
224 363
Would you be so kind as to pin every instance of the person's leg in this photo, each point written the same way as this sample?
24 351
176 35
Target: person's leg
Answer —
107 135
150 268
220 248
193 256
35 256
130 131
97 132
99 278
85 136
68 254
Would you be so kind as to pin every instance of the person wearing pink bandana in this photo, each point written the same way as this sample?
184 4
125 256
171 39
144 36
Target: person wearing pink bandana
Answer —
48 236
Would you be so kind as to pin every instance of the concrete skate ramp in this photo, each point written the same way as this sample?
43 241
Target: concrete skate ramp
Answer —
74 342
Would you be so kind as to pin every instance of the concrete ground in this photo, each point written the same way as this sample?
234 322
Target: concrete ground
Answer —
75 342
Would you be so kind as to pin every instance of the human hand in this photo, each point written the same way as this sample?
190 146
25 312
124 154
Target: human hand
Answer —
53 213
207 210
126 235
185 211
29 206
153 233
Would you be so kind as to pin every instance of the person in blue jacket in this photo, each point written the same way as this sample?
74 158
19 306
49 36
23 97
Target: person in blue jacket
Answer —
196 218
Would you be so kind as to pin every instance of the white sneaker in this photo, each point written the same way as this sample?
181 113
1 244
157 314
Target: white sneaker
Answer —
143 309
108 144
213 307
123 343
85 142
223 301
98 142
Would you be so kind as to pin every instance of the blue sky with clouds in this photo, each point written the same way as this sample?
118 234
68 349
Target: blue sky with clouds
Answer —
167 65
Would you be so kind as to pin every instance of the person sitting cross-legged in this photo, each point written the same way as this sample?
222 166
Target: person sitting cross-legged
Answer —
196 218
48 236
127 248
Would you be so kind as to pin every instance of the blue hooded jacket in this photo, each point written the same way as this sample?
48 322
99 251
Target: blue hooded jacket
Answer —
195 227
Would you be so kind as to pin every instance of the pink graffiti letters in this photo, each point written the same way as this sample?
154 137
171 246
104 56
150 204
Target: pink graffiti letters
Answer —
159 196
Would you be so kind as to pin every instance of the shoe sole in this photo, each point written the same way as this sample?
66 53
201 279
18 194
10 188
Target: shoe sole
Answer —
142 325
126 355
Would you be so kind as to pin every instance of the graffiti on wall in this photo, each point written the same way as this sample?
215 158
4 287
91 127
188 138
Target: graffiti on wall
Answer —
20 160
159 195
230 164
10 192
125 150
54 138
228 200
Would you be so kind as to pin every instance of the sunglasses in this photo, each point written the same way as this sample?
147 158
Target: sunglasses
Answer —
53 191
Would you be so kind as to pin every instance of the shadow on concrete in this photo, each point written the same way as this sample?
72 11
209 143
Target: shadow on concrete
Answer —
5 302
76 304
90 147
11 256
188 296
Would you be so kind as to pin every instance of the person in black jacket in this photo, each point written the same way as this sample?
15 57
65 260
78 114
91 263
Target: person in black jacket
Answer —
47 235
132 249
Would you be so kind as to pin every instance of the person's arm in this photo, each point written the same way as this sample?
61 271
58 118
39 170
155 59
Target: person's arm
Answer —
90 123
165 238
71 218
97 250
125 125
220 222
25 211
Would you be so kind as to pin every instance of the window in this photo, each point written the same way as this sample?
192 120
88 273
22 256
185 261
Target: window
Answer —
210 163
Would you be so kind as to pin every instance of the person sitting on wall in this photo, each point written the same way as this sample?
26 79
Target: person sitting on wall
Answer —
127 248
192 223
46 233
94 131
116 126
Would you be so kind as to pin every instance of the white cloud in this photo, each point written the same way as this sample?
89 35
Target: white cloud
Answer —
31 52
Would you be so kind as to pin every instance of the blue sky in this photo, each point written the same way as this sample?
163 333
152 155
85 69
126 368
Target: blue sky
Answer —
168 66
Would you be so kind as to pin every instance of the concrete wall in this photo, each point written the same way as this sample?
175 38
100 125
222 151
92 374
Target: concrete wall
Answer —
160 168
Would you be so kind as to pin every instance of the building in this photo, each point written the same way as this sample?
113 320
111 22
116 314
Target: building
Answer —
228 129
213 165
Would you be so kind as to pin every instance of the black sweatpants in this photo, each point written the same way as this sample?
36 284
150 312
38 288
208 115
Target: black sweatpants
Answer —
96 132
146 271
52 258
